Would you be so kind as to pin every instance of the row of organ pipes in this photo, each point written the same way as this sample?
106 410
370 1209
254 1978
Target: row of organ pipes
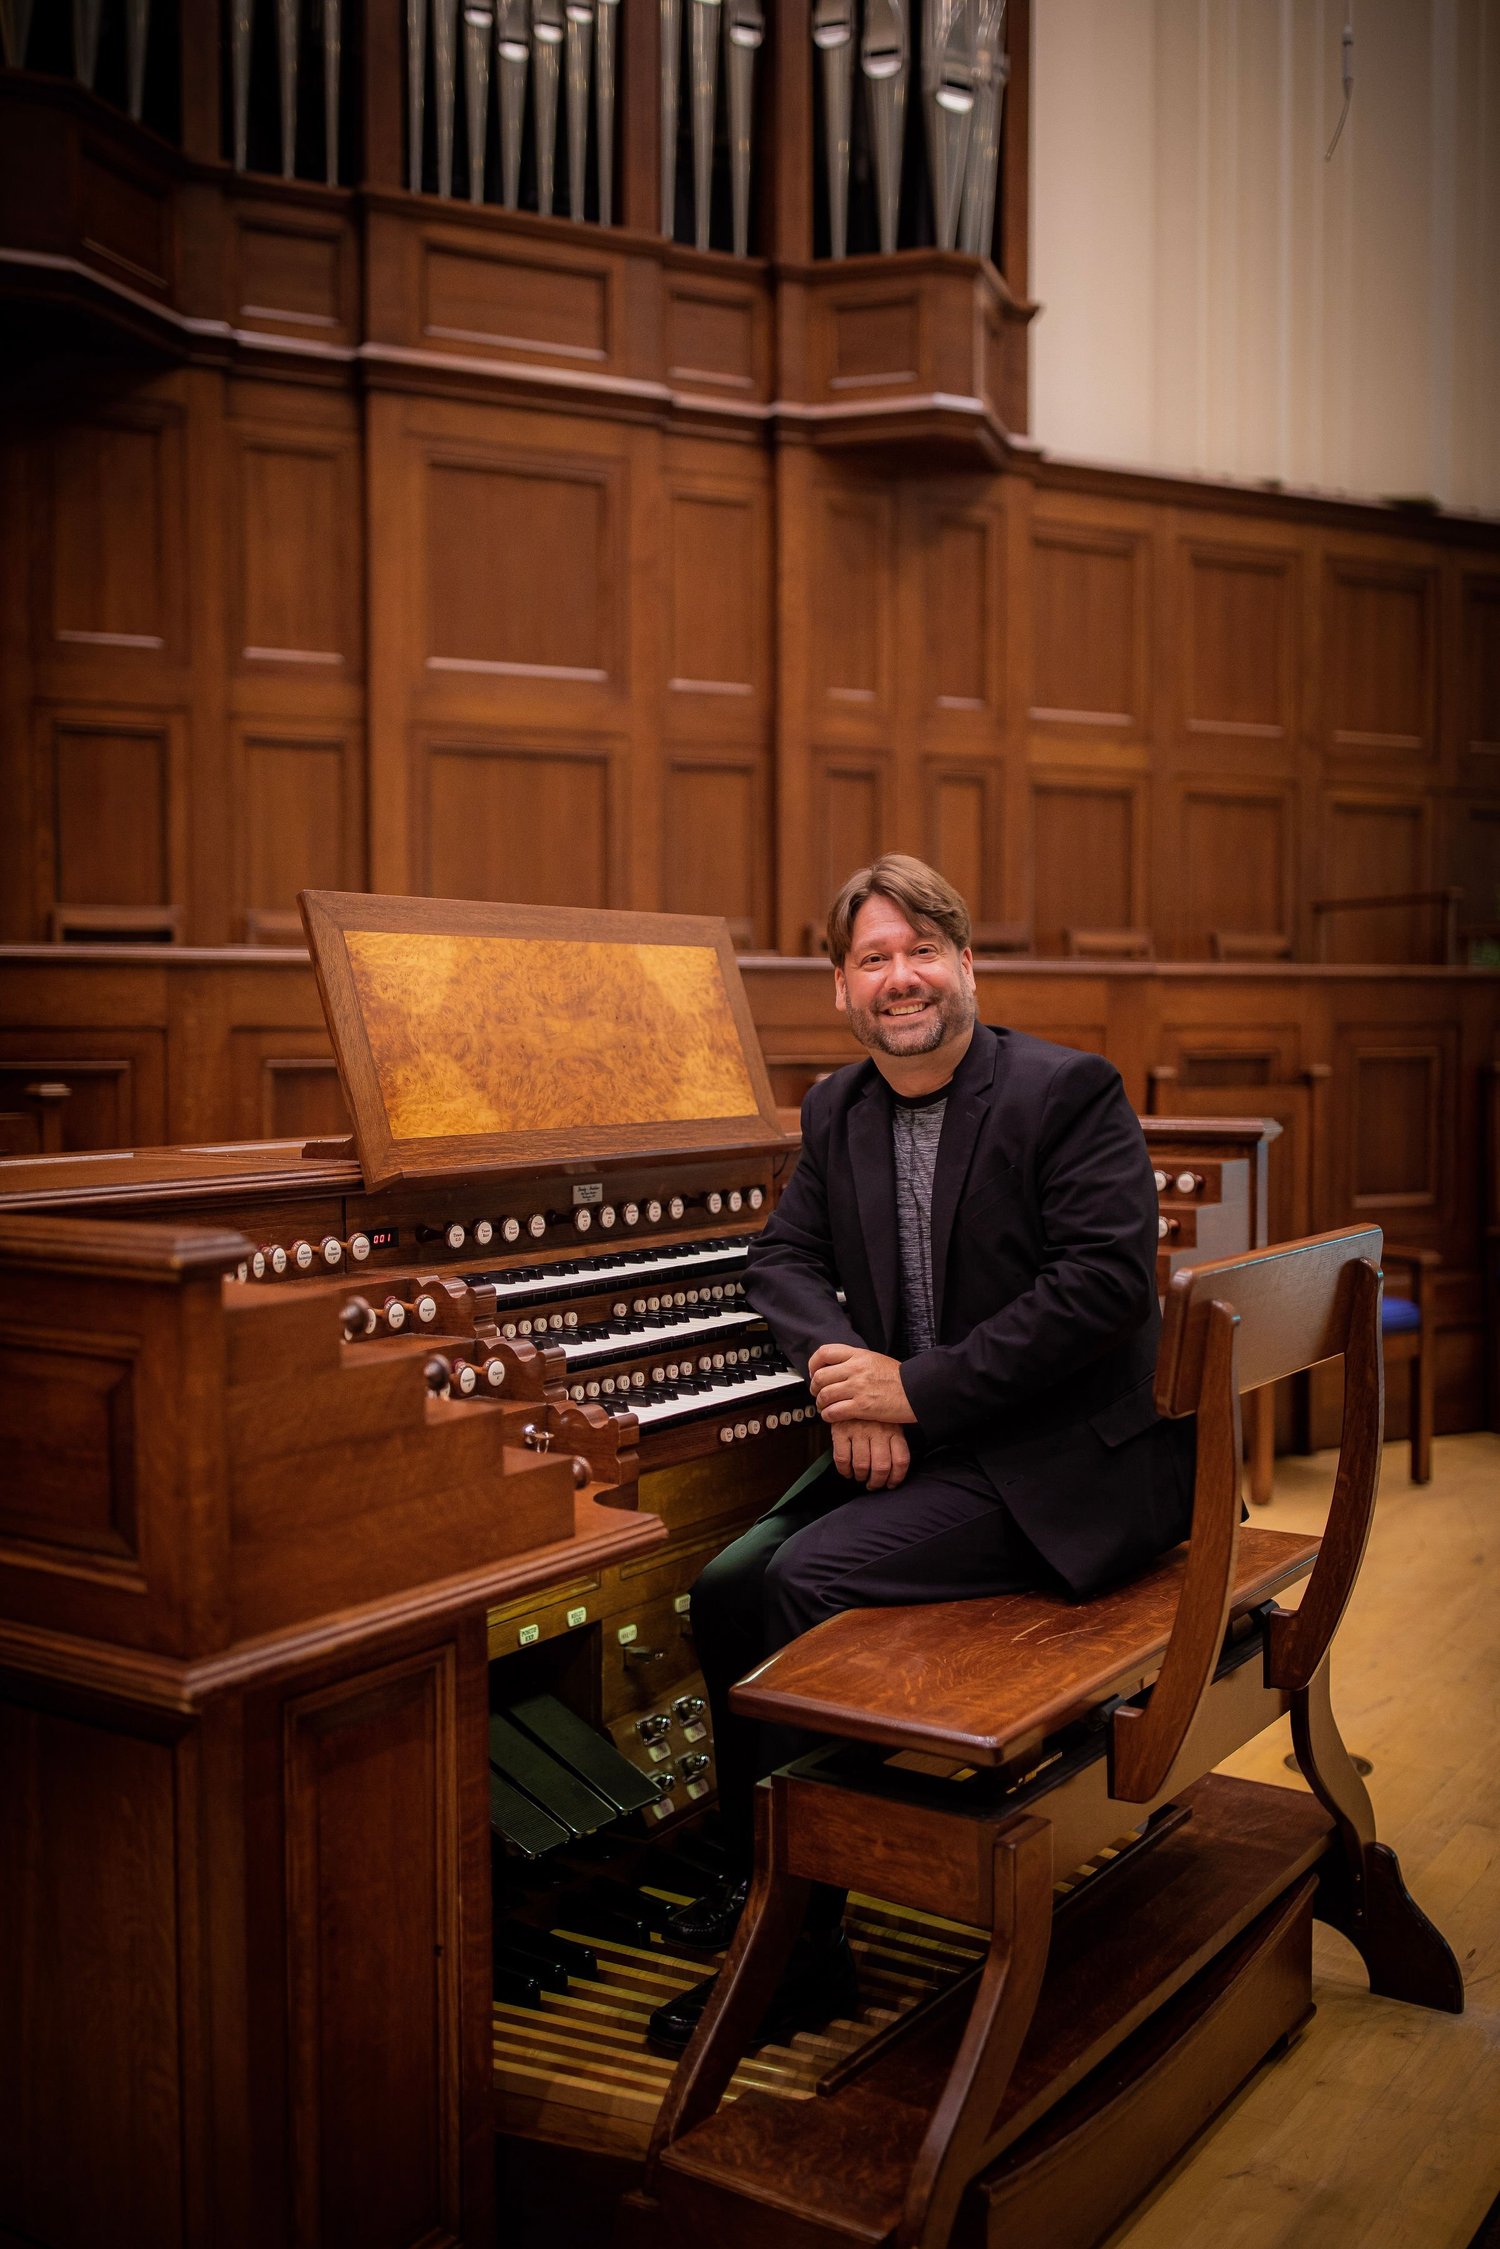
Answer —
960 46
963 73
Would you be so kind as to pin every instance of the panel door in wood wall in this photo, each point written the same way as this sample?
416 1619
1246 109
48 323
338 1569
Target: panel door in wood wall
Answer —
717 690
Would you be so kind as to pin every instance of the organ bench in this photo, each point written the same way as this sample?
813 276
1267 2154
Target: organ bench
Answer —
982 1748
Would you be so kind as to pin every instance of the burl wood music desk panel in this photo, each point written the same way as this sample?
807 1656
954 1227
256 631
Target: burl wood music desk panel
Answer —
576 1035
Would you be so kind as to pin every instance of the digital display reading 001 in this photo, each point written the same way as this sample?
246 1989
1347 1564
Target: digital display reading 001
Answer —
385 1237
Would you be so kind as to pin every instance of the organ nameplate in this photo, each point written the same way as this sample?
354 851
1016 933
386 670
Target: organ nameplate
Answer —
471 1036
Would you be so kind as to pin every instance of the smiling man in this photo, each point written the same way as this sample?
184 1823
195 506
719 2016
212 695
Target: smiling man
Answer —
964 1262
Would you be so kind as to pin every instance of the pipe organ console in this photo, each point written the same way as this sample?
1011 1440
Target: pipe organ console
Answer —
434 1386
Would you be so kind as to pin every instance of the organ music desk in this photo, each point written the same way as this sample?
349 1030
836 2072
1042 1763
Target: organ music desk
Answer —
321 1463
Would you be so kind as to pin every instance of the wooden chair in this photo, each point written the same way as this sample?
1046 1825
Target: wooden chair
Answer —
115 925
1061 1727
1408 1331
1108 944
1249 945
992 940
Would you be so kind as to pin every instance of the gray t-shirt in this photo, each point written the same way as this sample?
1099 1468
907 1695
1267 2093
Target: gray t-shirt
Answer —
916 1128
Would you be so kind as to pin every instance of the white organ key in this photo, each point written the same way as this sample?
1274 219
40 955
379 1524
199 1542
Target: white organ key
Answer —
659 1414
610 1346
692 1257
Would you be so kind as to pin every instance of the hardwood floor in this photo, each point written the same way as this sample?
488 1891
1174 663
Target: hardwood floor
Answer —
1381 2128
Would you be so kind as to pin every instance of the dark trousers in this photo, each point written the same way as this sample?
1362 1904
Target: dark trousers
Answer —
943 1535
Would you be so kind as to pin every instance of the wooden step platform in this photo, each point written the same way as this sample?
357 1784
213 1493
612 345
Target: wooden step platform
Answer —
1209 1925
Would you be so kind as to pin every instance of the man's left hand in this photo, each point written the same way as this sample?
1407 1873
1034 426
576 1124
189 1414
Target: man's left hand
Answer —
853 1385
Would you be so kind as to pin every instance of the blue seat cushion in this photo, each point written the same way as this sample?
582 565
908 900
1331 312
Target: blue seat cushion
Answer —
1399 1316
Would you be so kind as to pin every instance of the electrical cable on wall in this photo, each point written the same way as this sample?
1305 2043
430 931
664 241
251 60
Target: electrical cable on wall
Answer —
1346 53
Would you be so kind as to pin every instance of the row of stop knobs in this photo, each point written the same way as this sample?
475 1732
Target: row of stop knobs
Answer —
305 1256
1185 1183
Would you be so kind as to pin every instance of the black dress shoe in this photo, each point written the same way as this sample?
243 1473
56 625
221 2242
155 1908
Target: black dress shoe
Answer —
820 1982
709 1923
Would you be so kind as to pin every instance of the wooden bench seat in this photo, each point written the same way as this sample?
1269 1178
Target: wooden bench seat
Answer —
983 1681
976 1752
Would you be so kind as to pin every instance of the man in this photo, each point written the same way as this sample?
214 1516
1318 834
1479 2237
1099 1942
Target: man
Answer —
965 1263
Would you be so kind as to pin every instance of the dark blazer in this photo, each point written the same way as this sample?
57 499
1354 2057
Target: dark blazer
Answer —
1044 1232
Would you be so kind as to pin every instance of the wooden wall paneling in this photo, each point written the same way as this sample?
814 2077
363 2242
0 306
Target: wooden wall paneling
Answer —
99 1891
955 582
717 558
638 133
1377 844
794 471
295 564
20 915
1227 858
1478 675
81 1088
962 829
260 1049
1238 649
788 184
393 580
111 558
1380 641
1471 860
297 798
532 588
1394 1105
851 606
717 334
210 808
716 688
524 816
1088 852
295 268
851 797
111 794
373 1829
715 839
1015 499
1092 606
637 800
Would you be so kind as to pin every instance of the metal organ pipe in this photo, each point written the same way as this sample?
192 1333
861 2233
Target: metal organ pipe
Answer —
513 46
948 89
607 22
15 26
580 42
546 39
744 29
705 44
885 59
287 28
479 24
137 24
239 74
444 85
416 76
332 50
833 36
86 15
982 173
671 73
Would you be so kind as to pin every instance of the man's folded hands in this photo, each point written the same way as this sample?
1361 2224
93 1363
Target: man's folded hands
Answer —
859 1395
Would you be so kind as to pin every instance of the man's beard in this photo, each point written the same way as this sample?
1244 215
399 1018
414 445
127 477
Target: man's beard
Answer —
894 1035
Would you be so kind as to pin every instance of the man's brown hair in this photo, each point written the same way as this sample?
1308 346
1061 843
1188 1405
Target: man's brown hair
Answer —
925 897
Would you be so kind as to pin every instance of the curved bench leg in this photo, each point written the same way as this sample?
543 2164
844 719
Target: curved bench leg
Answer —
1362 1892
1003 2006
768 1928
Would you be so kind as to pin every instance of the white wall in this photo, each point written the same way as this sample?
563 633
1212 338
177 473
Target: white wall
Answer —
1217 299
